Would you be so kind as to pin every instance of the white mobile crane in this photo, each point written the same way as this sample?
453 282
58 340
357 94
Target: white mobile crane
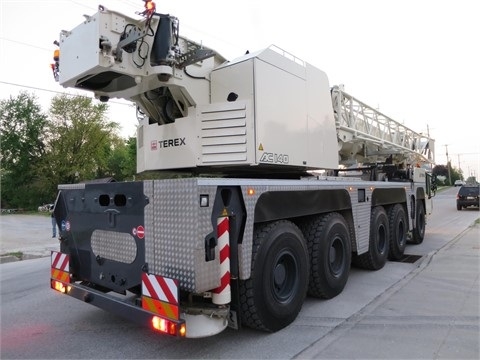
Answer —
255 227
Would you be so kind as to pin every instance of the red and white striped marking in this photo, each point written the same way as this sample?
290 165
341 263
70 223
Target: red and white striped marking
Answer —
60 267
160 288
60 261
222 294
160 295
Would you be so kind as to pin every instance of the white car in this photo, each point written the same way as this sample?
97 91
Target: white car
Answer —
45 207
459 183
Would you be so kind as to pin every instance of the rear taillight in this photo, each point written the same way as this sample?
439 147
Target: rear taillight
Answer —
168 327
59 286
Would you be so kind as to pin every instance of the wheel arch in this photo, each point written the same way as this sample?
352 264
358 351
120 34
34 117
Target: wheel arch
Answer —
306 205
271 204
387 197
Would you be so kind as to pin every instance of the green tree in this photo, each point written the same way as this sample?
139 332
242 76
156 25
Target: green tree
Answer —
81 140
440 170
443 170
131 162
22 131
121 164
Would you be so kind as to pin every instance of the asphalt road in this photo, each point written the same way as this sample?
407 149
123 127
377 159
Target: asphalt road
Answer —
426 309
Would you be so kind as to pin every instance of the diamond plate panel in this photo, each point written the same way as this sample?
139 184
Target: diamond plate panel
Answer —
148 223
180 227
361 220
71 186
114 246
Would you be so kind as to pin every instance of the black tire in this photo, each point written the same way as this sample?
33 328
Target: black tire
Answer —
330 251
398 232
273 296
459 207
377 254
420 223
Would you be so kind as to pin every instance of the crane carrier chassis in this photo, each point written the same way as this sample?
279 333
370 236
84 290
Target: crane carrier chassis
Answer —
192 255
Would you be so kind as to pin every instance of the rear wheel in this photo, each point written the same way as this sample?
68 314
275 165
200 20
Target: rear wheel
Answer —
273 296
420 224
377 254
398 231
330 253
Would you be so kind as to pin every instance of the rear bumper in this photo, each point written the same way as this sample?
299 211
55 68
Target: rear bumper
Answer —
126 307
157 307
468 202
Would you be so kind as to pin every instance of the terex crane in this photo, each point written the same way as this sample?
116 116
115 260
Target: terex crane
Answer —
255 226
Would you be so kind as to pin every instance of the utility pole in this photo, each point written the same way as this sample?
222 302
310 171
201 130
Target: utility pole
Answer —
459 167
448 166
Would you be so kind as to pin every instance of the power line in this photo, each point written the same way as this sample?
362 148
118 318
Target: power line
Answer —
33 88
26 44
469 153
58 92
83 5
124 2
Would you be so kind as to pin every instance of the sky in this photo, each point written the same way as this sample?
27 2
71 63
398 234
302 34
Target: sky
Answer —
417 61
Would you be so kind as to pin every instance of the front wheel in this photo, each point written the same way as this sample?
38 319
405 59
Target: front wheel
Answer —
273 296
420 224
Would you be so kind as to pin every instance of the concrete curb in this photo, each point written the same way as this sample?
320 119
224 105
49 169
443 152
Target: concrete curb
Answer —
8 258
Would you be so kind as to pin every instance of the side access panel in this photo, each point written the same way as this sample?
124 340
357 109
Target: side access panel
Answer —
178 229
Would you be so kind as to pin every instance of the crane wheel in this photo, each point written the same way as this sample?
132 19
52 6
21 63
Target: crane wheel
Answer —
330 251
377 254
420 223
398 231
273 296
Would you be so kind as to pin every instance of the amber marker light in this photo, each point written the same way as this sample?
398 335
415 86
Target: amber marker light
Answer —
250 191
183 330
149 5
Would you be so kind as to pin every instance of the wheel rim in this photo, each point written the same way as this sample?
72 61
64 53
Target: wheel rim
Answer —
401 233
421 222
284 277
382 239
336 257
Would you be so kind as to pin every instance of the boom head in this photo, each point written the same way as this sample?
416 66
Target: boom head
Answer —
141 60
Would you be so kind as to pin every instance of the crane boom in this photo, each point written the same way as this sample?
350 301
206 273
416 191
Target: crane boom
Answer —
366 134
